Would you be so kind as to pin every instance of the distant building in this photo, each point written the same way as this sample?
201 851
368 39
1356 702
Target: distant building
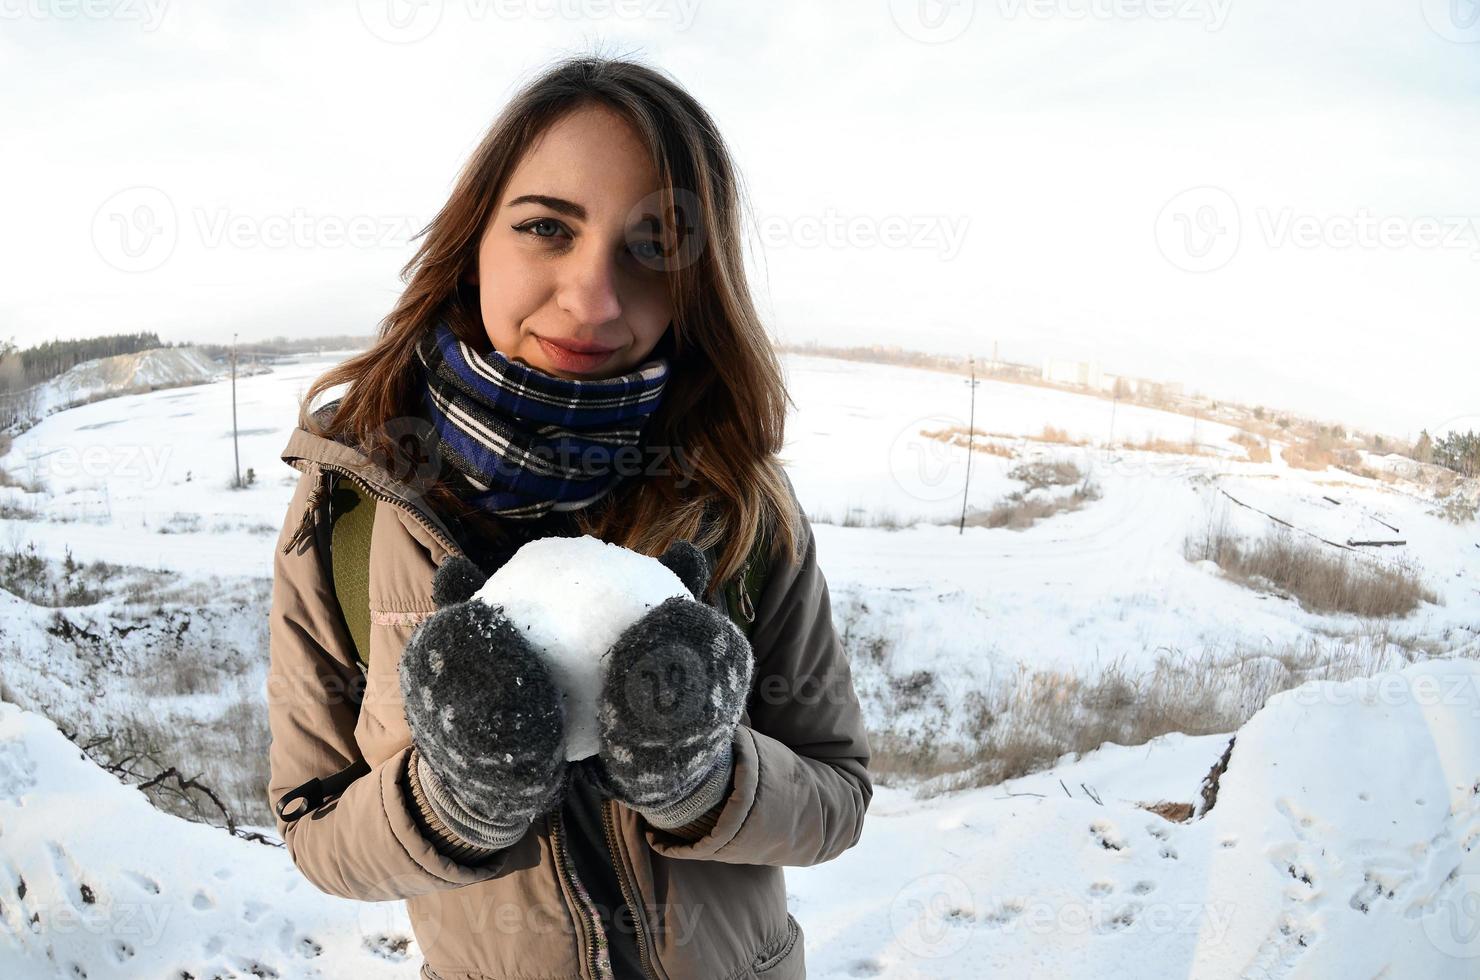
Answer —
1084 374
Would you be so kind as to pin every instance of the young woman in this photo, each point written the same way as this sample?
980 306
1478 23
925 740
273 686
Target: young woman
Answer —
580 297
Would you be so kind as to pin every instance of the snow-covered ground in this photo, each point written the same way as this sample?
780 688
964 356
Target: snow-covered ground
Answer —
142 481
1340 845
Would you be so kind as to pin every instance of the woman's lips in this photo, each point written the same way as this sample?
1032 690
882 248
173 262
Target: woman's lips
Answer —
571 360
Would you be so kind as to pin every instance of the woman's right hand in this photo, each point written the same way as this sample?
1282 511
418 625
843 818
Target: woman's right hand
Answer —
486 719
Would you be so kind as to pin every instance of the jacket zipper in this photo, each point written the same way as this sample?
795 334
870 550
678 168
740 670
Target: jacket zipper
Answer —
450 545
628 892
562 861
638 919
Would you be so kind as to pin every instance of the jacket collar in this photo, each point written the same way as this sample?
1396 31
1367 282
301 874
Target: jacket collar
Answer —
304 449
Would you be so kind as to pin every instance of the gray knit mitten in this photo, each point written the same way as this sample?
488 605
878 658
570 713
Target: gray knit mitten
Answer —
486 719
675 687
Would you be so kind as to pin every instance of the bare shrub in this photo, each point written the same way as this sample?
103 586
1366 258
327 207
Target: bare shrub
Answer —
174 674
179 523
1018 511
1319 577
1046 473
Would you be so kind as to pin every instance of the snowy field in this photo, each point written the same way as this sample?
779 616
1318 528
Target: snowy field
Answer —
1339 845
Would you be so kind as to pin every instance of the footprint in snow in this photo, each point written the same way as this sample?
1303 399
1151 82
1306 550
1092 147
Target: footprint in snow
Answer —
142 882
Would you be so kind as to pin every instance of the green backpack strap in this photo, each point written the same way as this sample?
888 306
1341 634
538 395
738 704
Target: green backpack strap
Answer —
743 591
352 518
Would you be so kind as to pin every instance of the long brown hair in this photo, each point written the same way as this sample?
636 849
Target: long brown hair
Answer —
723 411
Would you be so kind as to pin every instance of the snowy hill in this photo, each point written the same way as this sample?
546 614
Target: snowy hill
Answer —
1340 845
161 367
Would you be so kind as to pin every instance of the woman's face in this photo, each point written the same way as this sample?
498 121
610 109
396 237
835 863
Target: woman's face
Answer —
571 259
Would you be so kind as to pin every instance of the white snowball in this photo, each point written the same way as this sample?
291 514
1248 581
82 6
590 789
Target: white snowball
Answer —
572 598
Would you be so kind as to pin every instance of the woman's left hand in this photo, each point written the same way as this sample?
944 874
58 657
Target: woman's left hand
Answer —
675 687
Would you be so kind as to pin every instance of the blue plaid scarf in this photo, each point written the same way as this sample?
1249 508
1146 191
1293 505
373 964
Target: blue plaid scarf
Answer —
527 442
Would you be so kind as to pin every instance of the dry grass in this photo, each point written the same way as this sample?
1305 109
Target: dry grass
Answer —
1255 448
1059 437
861 517
1153 444
1037 717
959 435
1318 454
1017 511
1175 812
935 737
1321 578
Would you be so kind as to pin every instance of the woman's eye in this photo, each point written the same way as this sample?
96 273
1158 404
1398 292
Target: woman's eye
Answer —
648 251
529 228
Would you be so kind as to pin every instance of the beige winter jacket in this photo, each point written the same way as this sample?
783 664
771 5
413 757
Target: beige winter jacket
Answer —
710 909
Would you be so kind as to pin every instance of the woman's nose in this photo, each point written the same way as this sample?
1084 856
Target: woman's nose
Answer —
589 290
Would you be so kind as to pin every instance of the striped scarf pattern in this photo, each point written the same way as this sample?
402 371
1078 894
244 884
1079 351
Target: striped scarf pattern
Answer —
527 442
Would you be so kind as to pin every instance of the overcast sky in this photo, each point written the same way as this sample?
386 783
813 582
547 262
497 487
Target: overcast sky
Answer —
1262 199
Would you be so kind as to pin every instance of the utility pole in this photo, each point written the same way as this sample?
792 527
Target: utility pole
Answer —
235 448
970 432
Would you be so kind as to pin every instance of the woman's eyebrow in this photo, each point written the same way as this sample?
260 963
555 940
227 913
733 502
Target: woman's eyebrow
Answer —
568 208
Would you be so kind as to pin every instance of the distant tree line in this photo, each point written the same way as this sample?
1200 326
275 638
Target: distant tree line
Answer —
22 367
1458 451
289 345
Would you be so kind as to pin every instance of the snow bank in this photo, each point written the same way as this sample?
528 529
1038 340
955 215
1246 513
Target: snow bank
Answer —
95 882
1340 846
